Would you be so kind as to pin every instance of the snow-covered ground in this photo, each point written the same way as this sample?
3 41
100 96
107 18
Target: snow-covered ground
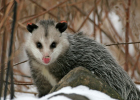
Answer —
81 90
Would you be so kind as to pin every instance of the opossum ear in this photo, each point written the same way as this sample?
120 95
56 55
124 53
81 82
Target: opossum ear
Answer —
31 27
61 26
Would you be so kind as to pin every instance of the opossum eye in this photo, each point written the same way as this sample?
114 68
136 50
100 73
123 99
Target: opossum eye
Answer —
39 45
61 26
31 27
53 45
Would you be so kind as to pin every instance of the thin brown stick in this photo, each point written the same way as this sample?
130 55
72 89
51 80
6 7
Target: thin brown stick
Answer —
3 6
6 14
134 38
94 15
127 36
44 12
121 43
136 82
3 56
50 13
86 18
26 83
20 62
135 65
75 3
23 75
16 64
19 23
21 83
83 13
99 25
38 4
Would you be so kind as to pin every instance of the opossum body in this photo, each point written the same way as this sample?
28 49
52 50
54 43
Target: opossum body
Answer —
53 53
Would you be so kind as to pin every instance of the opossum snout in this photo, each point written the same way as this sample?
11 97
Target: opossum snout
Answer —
46 59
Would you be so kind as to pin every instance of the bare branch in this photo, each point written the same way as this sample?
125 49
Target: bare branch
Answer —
121 43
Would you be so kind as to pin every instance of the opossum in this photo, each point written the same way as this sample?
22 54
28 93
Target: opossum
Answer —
53 53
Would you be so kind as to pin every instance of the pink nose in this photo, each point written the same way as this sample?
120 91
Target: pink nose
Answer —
46 60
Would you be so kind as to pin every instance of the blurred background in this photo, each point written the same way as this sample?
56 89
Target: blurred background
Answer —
113 23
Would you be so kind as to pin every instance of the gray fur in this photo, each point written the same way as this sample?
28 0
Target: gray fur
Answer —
83 51
43 86
45 25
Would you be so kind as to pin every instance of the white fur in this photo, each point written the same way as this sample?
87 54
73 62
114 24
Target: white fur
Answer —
31 47
38 35
53 35
60 47
46 73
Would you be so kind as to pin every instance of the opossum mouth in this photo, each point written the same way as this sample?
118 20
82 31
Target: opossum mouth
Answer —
46 60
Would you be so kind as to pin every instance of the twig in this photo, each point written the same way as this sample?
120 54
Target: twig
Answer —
81 1
16 64
132 36
38 4
44 12
83 13
3 56
23 76
135 65
136 82
6 14
50 13
10 69
19 23
121 43
86 18
99 23
3 6
21 83
20 63
44 9
127 36
94 15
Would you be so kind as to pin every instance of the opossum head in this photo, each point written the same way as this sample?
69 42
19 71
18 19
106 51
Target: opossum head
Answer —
47 41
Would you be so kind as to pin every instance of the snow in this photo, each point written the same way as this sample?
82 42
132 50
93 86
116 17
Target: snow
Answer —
138 86
81 90
116 22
